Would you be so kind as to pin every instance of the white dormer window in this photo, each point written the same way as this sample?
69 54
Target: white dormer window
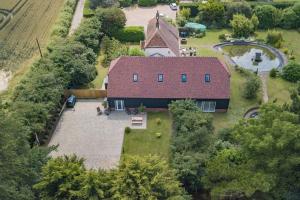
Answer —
160 78
207 78
135 78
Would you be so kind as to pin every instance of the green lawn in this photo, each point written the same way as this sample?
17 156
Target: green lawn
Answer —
291 40
279 89
102 72
238 105
144 142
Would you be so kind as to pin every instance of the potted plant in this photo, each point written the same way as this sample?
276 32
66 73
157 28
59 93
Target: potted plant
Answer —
142 109
104 104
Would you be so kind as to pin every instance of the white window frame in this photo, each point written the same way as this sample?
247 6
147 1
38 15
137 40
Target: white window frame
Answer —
160 76
119 105
135 77
208 106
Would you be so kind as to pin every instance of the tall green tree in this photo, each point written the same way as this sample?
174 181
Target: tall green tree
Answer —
77 62
268 16
20 164
61 178
146 178
241 26
112 20
264 159
212 13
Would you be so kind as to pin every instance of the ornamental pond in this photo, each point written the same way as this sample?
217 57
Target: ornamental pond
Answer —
253 57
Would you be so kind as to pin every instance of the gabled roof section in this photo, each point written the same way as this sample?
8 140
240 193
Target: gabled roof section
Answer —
160 34
120 84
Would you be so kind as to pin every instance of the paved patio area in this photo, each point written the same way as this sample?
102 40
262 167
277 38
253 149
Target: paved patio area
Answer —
97 138
139 16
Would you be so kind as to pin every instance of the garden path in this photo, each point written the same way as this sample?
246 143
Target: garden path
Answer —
264 76
77 17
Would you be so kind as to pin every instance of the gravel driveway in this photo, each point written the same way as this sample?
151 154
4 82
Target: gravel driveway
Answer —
97 138
139 16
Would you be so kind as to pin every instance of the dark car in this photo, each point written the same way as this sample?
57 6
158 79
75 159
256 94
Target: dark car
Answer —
71 101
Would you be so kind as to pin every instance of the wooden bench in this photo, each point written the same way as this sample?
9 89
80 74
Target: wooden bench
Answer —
136 120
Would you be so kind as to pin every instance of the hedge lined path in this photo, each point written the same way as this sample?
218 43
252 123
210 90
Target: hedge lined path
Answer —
264 76
77 17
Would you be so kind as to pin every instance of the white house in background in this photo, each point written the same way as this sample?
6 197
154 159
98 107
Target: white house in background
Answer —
162 39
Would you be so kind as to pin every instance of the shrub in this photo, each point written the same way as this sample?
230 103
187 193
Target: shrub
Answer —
238 8
127 129
105 104
273 73
147 3
192 6
158 121
251 87
222 37
213 13
241 26
267 16
141 108
185 12
125 3
130 34
274 38
158 135
62 26
136 52
286 51
289 19
112 20
291 72
102 3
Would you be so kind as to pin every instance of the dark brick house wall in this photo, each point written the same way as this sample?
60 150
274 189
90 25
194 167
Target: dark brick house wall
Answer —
221 104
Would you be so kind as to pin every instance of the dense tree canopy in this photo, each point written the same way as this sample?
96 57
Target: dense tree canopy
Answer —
112 20
268 16
191 142
20 164
136 178
264 160
234 8
241 26
212 13
291 72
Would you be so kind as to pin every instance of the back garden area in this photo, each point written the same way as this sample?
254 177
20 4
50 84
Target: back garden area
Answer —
204 42
254 160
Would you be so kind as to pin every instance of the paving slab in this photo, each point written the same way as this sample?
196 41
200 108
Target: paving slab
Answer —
96 138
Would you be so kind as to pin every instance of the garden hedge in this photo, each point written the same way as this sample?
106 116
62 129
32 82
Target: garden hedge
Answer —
279 5
192 6
147 3
130 34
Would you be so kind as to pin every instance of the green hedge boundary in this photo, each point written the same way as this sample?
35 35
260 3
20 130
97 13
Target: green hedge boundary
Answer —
130 34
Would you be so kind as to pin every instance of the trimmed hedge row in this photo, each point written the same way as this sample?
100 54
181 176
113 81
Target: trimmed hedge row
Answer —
279 5
147 3
130 34
69 62
63 25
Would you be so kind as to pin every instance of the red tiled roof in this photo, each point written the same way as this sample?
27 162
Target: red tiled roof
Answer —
166 36
120 78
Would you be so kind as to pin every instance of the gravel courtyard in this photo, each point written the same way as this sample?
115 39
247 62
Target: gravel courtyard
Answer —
97 138
139 16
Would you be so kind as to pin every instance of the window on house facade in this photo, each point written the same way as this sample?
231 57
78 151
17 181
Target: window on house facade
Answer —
208 106
183 78
207 78
135 77
160 78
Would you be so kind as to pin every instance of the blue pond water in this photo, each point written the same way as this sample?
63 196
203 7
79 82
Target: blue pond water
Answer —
244 56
